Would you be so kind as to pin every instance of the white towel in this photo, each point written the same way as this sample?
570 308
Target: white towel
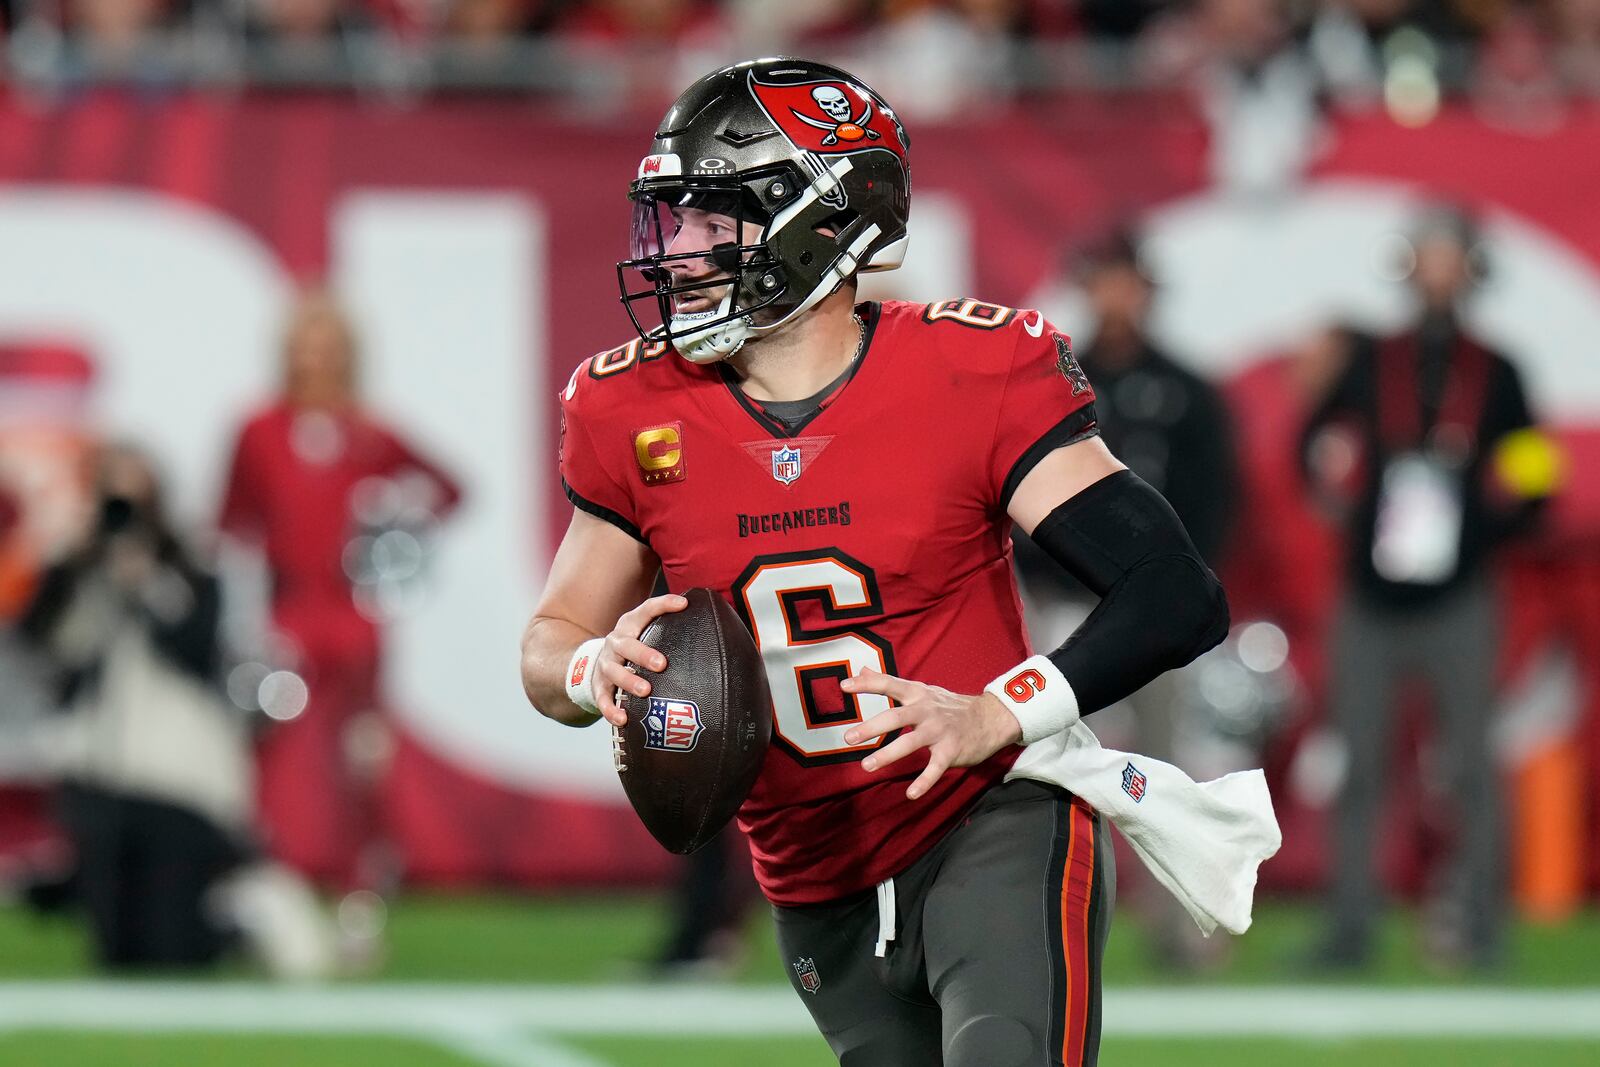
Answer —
1202 840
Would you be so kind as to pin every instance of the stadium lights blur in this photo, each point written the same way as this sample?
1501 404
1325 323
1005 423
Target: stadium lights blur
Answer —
283 695
1411 90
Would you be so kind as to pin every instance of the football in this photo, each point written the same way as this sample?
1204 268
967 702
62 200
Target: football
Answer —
693 747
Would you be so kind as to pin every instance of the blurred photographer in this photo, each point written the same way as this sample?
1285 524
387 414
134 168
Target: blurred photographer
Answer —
155 777
1426 450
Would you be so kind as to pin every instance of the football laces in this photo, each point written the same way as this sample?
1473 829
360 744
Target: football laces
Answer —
618 756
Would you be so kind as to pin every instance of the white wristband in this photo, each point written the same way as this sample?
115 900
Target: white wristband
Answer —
580 685
1039 696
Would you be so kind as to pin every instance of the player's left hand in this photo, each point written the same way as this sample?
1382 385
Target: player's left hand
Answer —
957 730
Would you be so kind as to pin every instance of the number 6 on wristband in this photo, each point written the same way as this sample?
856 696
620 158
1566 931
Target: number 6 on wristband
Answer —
1039 696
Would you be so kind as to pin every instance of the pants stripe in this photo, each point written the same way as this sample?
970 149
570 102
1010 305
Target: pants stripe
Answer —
1098 919
1056 871
1077 891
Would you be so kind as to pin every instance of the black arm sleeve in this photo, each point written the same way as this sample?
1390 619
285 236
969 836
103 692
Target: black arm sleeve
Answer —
1160 604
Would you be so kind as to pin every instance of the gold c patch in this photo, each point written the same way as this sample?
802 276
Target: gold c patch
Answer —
659 451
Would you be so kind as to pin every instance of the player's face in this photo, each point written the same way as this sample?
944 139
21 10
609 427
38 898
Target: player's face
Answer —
696 230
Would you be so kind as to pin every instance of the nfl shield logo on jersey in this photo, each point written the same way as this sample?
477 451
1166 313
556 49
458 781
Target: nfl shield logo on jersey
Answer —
806 970
1133 783
672 725
786 464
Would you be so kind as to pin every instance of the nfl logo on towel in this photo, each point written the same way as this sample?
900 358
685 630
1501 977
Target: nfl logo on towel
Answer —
1133 783
806 970
672 725
786 464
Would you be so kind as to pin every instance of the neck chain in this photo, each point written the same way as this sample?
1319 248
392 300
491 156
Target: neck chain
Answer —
861 336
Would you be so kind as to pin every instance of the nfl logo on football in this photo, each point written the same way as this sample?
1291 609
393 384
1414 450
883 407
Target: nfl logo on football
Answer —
672 725
786 464
1133 783
806 971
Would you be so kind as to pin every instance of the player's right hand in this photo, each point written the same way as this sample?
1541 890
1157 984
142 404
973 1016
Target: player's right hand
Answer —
623 647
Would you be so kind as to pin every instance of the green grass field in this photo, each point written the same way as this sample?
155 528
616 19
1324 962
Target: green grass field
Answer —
502 944
504 938
77 1050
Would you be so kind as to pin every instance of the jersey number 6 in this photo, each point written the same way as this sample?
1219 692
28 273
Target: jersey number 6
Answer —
805 662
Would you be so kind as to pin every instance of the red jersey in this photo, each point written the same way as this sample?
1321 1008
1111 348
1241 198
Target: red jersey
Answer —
874 535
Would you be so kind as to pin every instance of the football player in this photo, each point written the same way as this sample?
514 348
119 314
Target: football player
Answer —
846 474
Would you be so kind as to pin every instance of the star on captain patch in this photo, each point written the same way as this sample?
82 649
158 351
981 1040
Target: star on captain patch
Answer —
1067 364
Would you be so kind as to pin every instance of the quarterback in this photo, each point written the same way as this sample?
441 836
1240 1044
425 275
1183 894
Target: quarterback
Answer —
846 474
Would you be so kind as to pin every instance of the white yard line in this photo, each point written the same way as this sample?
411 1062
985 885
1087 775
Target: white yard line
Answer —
495 1046
428 1011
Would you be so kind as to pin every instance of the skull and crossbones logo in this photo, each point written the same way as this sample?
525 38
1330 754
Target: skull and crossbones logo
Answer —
845 126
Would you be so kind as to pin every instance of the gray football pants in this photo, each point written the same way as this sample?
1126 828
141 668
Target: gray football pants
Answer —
1451 647
995 959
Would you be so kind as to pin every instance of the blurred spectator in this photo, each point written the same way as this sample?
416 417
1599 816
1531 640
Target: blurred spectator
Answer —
1516 83
1426 447
644 47
1360 45
1118 19
641 22
946 58
308 30
155 768
1166 423
765 26
485 24
1173 429
1256 87
112 26
317 482
1573 27
112 39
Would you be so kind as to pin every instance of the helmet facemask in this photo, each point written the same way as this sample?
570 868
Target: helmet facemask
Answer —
718 229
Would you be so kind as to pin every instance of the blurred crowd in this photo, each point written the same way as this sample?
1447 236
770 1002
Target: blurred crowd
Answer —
204 710
1355 50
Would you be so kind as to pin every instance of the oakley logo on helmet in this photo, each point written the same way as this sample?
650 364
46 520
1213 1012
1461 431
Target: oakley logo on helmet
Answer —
712 164
831 116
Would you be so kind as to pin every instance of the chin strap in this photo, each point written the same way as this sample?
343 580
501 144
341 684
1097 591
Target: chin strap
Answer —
711 343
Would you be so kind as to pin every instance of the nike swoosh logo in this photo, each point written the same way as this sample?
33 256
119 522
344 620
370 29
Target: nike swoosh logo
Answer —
1037 329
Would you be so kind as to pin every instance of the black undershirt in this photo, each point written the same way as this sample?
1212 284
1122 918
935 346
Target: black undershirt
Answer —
794 412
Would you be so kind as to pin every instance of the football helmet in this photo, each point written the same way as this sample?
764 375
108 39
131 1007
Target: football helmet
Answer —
806 170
